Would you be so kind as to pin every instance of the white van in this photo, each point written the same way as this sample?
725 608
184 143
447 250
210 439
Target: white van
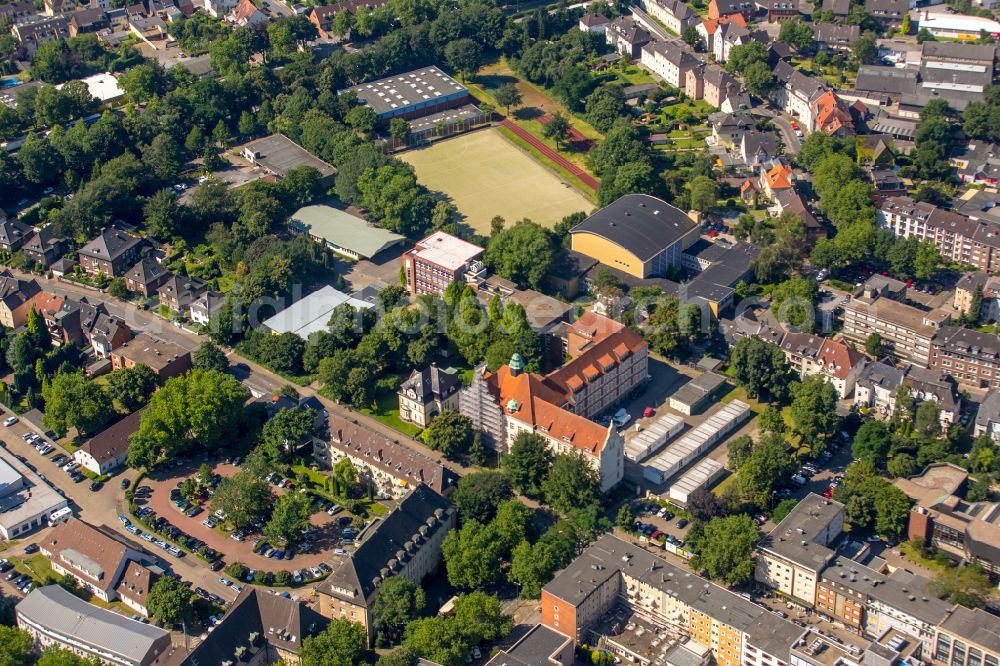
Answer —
60 516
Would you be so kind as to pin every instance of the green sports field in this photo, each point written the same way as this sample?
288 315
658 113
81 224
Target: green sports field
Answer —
486 175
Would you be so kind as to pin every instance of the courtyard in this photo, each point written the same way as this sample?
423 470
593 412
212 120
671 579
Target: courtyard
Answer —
485 175
326 535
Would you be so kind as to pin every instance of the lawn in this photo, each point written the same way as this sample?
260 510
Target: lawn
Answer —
38 567
485 175
739 393
387 412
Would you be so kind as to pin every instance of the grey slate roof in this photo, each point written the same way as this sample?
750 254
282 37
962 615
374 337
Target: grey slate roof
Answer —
577 581
641 224
431 382
419 514
281 622
110 244
977 626
792 538
989 410
56 609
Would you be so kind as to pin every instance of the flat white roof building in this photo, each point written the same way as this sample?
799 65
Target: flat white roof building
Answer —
446 251
103 86
312 313
701 475
681 454
957 25
26 502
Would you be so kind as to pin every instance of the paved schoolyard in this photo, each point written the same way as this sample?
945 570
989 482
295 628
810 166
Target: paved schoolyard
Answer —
485 175
236 551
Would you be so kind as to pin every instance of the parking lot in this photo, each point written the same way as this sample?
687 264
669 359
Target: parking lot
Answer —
325 538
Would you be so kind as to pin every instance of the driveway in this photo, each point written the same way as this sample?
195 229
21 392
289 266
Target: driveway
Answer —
232 550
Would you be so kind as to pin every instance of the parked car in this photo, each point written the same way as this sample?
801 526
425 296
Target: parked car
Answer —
682 523
217 565
31 548
9 421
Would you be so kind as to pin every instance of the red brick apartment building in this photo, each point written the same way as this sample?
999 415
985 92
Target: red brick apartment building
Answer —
955 236
440 259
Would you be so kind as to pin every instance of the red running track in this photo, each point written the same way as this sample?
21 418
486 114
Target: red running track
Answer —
584 177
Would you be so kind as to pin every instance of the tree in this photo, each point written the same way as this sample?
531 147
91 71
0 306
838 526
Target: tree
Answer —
865 49
289 519
771 420
872 442
758 78
450 433
796 33
55 656
202 408
243 497
473 555
399 129
362 119
342 643
557 128
625 517
927 420
507 96
571 483
905 28
438 639
975 312
704 505
967 585
704 193
72 401
759 367
132 387
399 602
691 36
528 463
478 495
163 215
744 55
605 106
403 656
769 464
481 617
792 302
523 253
902 465
873 345
283 431
814 409
346 475
725 548
208 356
16 647
464 56
892 510
169 601
117 288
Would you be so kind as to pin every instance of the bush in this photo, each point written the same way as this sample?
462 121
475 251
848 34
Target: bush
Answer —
236 570
283 578
263 578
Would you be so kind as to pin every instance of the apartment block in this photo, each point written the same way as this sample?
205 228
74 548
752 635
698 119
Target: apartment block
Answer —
971 357
797 550
955 236
440 259
612 572
906 329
